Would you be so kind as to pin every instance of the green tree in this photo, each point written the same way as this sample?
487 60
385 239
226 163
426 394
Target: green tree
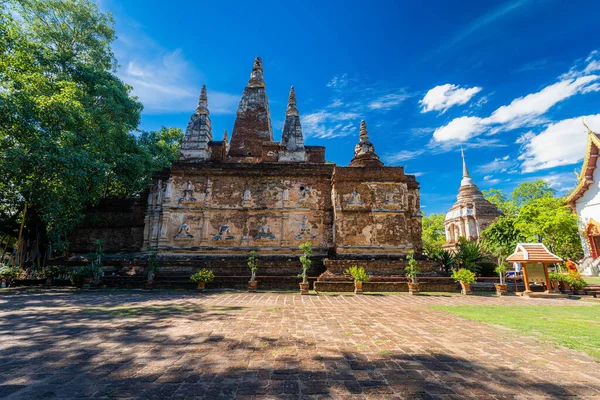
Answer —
549 220
526 192
67 122
498 198
501 237
468 254
433 233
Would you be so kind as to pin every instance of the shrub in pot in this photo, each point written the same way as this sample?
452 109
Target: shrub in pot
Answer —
253 265
359 275
202 277
502 287
556 279
465 278
576 282
306 263
411 271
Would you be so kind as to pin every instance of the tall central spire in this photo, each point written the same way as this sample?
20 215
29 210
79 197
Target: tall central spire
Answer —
253 122
198 133
466 178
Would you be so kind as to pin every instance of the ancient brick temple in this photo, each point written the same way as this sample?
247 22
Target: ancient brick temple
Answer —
222 199
470 214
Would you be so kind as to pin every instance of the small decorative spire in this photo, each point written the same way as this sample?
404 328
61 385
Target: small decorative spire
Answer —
256 77
363 135
203 102
584 124
292 110
225 137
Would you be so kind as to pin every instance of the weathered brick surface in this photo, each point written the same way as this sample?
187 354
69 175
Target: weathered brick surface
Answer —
183 345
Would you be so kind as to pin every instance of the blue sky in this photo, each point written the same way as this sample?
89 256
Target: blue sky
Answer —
507 80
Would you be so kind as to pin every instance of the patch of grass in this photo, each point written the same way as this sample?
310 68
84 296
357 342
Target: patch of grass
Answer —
592 279
575 327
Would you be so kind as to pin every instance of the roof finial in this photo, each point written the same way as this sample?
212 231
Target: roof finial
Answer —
202 102
256 77
363 135
225 136
292 110
584 124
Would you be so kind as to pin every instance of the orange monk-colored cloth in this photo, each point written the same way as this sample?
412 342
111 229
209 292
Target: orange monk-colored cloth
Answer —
571 267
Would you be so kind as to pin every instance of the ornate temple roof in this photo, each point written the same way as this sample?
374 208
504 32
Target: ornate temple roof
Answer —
533 252
586 177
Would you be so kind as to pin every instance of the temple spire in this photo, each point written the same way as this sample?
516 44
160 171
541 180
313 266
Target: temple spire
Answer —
202 107
292 110
256 77
466 178
225 136
363 134
364 151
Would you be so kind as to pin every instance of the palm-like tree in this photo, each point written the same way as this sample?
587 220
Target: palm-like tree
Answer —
468 254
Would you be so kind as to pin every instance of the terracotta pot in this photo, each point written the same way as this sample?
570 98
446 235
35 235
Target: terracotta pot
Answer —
413 288
201 286
501 289
466 288
304 288
358 288
252 286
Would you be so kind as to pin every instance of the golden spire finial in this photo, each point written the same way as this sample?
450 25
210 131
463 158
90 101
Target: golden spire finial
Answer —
584 124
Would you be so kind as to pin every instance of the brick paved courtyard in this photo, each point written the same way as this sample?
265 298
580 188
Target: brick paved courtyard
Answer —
126 344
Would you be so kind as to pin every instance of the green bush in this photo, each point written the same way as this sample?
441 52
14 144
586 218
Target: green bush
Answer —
358 273
8 272
204 275
304 260
463 275
558 277
576 281
253 265
501 270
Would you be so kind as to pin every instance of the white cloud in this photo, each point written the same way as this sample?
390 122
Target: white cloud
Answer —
401 156
561 143
326 124
497 165
388 101
538 103
490 180
338 81
442 97
561 182
459 129
523 111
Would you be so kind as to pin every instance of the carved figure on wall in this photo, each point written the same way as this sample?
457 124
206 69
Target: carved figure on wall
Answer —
169 189
355 199
305 230
188 194
247 198
305 195
390 199
264 232
159 192
208 193
224 233
184 232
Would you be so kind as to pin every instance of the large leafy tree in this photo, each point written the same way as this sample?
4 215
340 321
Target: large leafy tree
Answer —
433 233
66 119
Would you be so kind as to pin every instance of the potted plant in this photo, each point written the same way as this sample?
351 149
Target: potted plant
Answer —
411 271
152 267
253 265
7 275
359 275
556 279
306 263
202 277
465 277
502 287
576 282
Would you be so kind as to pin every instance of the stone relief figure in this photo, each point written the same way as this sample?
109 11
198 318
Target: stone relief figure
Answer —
188 194
159 192
305 230
264 232
184 232
169 189
208 193
247 198
224 233
355 199
306 196
285 197
391 199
